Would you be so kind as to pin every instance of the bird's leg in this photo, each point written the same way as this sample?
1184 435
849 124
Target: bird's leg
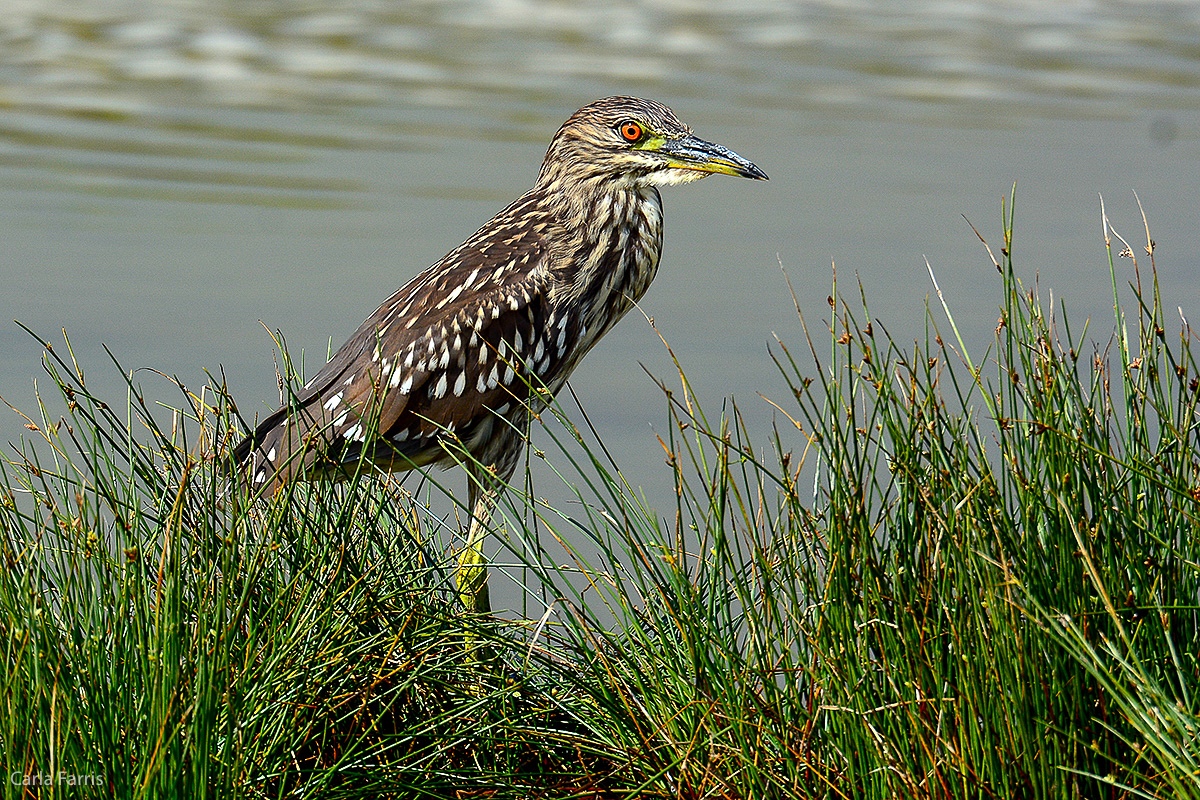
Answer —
485 482
472 577
488 477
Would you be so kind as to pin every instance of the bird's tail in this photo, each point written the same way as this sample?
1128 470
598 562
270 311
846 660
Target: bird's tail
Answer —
283 447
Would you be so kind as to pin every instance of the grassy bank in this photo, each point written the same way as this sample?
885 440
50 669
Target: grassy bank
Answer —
944 574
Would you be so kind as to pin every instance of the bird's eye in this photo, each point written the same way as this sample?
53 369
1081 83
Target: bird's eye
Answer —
630 131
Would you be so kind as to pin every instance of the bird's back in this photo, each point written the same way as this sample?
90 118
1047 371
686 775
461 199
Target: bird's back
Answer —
455 352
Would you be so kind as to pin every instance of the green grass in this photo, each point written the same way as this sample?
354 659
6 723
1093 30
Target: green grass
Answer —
943 574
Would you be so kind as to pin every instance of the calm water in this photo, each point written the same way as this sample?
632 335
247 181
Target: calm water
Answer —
173 173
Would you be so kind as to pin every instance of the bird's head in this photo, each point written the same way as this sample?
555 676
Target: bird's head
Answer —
633 142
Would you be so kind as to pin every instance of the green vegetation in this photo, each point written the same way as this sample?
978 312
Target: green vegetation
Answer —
948 575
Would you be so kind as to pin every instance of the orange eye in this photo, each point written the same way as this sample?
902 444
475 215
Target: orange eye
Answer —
631 131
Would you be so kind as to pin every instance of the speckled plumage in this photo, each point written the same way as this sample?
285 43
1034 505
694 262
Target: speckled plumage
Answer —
456 349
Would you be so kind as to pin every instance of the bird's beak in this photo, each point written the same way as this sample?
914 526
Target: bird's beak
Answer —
693 153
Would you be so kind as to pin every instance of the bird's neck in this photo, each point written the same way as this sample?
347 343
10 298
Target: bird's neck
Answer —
608 249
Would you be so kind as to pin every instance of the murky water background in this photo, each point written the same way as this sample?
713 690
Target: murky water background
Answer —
173 172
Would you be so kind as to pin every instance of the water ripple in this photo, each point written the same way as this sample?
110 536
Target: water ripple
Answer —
100 57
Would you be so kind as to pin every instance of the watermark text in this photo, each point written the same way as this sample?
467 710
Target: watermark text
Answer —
60 778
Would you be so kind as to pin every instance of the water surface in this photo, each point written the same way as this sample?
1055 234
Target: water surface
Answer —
175 176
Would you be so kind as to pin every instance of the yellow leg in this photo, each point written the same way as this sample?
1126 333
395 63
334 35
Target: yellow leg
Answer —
472 577
471 580
484 487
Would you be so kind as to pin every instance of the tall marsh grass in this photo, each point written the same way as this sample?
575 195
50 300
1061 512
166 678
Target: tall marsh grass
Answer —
943 574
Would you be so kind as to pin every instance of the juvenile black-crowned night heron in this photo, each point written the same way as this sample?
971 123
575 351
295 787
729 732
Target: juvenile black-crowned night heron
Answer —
448 368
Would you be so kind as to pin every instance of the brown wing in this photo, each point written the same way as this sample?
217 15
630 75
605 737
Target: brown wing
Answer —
447 352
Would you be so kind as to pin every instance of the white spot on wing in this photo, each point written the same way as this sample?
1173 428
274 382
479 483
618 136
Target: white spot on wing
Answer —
271 455
440 388
449 298
332 402
460 384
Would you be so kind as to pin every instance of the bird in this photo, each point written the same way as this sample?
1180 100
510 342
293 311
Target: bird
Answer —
449 368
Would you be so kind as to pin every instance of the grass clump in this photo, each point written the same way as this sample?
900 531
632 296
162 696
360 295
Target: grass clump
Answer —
937 577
